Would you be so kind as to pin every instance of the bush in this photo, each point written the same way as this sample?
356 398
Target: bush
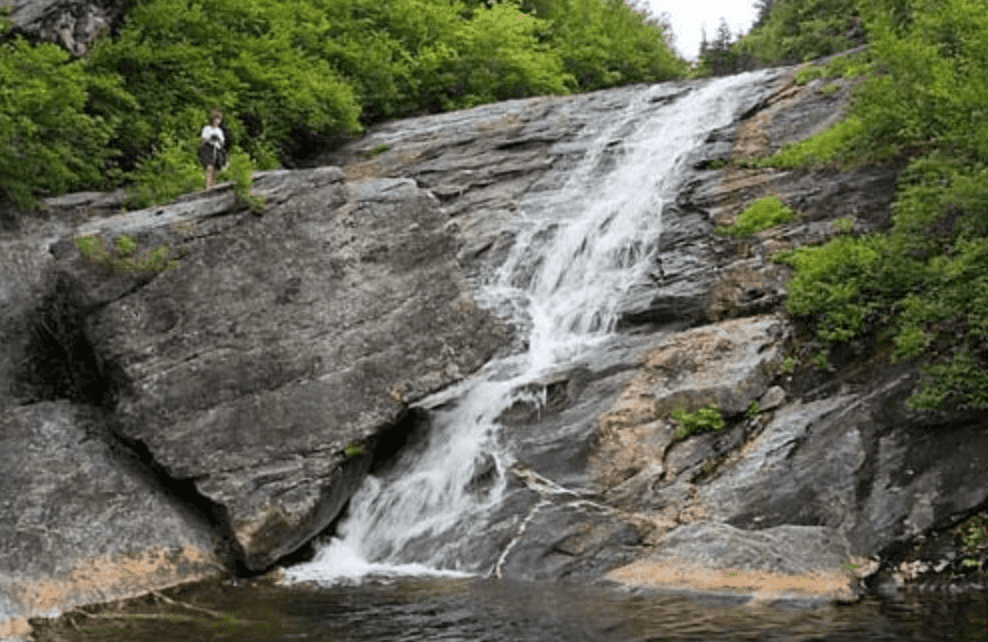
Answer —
49 144
794 31
760 215
706 419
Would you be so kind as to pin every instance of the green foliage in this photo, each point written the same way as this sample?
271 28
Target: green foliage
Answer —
122 257
706 419
291 78
926 279
787 365
827 90
808 73
378 150
844 225
604 43
170 170
49 144
240 173
760 215
352 450
799 30
973 533
835 146
753 410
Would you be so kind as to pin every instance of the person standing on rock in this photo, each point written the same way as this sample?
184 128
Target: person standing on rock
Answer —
212 151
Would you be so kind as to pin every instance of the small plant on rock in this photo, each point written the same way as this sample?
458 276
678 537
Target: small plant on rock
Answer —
788 365
753 410
706 419
844 225
760 215
352 450
123 257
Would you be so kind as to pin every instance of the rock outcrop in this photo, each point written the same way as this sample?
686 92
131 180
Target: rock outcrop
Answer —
74 24
251 374
808 457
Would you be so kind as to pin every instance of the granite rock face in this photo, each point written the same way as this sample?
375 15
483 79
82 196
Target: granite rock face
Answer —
82 521
74 24
253 379
264 365
806 456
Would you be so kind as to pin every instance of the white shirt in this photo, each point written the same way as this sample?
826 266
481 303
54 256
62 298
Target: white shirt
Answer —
208 132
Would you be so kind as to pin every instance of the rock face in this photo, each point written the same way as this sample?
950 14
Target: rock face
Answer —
815 481
233 376
83 522
253 376
74 24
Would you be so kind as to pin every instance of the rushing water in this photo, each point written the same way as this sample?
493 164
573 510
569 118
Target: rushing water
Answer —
565 278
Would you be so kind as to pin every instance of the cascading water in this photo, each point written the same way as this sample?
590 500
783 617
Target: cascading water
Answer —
565 278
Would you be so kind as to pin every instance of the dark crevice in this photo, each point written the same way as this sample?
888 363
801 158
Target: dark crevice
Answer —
60 362
185 493
409 432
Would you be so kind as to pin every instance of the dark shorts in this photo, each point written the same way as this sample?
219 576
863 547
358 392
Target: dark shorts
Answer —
210 155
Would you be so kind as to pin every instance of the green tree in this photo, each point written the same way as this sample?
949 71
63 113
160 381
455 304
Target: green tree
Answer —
48 143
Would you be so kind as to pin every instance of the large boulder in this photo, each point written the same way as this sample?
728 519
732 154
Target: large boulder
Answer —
82 521
264 365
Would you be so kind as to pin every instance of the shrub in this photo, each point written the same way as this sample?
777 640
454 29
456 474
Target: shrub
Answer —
49 143
760 215
706 419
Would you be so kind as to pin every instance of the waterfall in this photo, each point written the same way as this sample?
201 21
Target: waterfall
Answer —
565 277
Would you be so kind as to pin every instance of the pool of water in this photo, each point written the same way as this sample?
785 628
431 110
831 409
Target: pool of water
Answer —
406 610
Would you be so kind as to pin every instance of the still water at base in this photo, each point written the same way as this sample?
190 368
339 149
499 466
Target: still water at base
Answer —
463 609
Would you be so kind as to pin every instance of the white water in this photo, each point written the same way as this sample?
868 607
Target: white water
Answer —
599 239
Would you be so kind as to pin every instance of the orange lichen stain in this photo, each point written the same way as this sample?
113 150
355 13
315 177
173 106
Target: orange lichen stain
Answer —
762 585
366 169
107 578
17 626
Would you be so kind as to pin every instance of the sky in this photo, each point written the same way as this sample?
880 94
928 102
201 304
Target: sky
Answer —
688 15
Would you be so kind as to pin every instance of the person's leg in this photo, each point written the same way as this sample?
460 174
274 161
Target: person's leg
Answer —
210 175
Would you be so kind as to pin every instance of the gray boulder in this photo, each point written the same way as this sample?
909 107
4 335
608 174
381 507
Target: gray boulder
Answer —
265 364
82 521
74 24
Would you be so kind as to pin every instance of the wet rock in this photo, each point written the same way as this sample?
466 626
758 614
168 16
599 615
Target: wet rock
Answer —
578 540
782 562
83 522
772 398
725 365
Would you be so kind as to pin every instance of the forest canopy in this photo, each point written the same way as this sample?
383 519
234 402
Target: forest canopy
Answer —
290 77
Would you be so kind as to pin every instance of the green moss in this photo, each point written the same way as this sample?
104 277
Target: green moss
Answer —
377 150
753 410
760 215
827 90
